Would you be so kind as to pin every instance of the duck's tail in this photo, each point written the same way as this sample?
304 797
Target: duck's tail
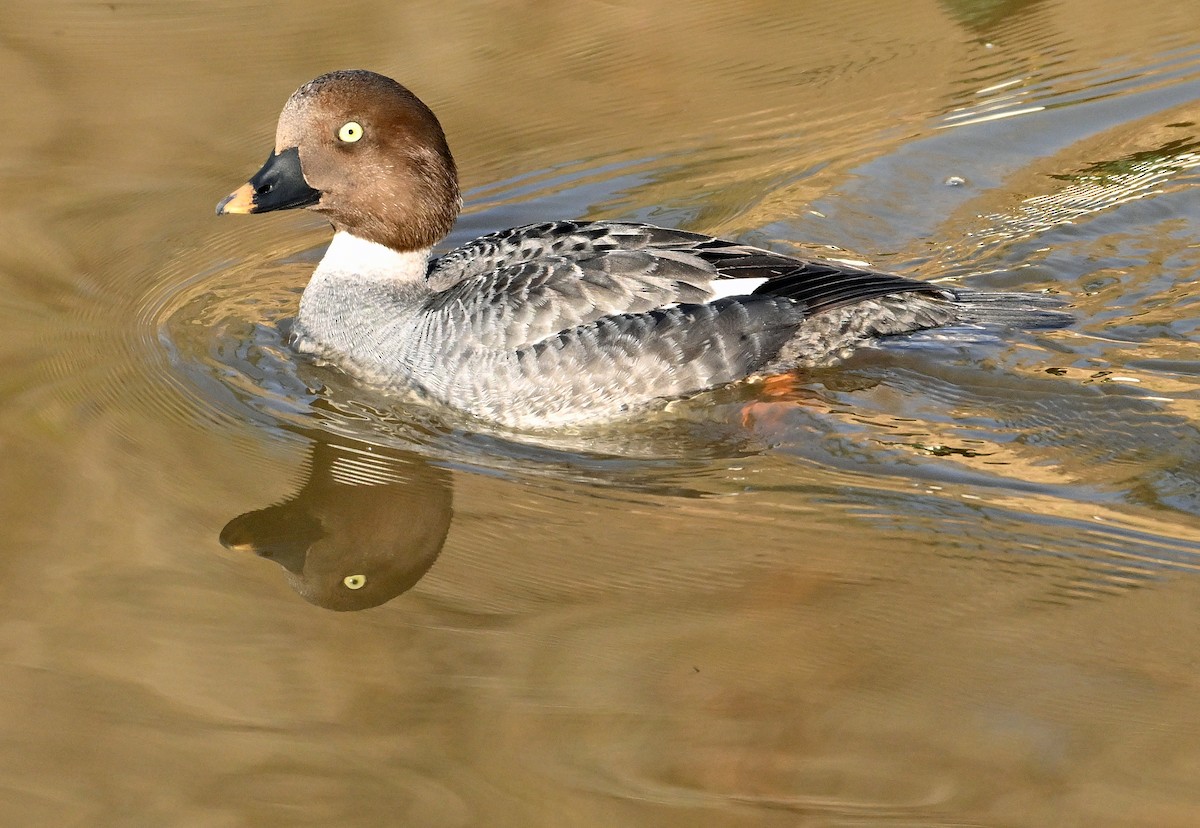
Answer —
1029 311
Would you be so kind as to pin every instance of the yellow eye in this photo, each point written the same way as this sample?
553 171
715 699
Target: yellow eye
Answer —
355 581
350 132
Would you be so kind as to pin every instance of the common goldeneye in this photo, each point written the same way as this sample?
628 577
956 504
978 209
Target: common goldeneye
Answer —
555 324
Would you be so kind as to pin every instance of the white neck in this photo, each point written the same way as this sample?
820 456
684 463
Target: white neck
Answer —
351 256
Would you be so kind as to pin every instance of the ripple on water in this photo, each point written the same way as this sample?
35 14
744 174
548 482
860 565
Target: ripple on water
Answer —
773 736
221 338
360 788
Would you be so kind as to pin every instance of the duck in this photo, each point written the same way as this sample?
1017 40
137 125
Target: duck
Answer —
559 324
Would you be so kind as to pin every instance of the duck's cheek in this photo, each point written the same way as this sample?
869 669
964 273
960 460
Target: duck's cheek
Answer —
331 202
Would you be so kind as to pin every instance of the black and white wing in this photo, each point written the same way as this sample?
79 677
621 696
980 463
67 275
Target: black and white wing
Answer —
521 286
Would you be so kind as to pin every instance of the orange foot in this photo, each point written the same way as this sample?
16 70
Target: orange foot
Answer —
777 395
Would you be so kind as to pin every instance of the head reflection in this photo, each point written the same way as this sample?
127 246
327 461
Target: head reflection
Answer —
366 525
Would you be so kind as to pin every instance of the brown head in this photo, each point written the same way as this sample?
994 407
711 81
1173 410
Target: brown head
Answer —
368 154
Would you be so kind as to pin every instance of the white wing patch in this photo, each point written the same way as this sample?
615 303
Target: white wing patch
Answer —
734 287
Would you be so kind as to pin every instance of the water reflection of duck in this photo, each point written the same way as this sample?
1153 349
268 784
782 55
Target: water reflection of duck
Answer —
367 524
560 323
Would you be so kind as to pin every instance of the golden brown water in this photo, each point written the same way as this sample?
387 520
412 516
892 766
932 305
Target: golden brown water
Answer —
951 584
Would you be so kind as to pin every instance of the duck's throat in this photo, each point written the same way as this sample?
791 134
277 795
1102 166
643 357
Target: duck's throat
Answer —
358 259
360 302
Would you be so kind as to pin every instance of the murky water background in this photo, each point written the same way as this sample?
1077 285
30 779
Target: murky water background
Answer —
947 584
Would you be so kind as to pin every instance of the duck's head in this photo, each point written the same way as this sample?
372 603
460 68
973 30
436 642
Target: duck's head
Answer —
364 151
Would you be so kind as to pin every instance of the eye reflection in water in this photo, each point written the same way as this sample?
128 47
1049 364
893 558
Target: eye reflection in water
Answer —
367 524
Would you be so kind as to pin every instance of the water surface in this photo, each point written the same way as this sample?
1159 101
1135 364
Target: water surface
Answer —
948 583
